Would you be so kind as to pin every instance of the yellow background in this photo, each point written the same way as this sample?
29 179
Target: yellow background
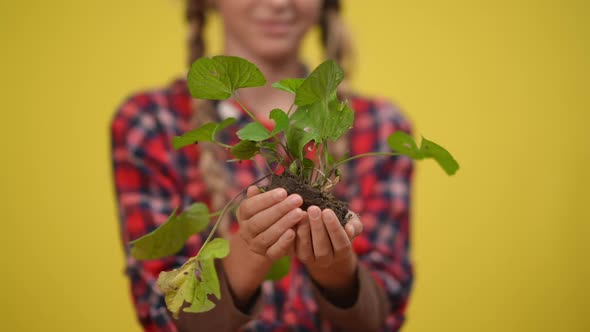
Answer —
504 85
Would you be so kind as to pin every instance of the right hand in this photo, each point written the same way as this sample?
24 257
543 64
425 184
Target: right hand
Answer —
266 221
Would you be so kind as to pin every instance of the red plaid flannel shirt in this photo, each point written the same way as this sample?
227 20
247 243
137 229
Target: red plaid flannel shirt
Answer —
151 179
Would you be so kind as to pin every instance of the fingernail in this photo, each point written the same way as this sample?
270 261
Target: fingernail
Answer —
290 235
279 194
295 199
350 229
314 213
297 214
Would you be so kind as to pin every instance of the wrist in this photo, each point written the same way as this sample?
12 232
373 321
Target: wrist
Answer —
244 278
339 283
340 275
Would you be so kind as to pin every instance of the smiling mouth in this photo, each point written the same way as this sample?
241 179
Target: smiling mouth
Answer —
276 28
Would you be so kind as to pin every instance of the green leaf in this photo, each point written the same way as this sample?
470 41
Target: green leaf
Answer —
222 125
219 77
307 167
279 269
281 120
309 119
289 84
340 119
253 131
170 237
297 138
268 145
245 150
430 149
314 122
320 85
404 144
205 133
301 167
294 167
201 134
305 126
216 248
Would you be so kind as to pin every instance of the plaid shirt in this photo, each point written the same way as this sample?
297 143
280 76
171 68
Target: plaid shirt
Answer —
151 179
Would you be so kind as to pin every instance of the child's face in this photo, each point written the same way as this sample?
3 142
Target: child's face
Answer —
270 29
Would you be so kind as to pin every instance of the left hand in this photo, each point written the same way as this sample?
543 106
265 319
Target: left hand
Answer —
325 247
322 242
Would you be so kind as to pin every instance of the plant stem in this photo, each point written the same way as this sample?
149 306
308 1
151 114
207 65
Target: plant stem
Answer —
215 214
258 121
279 142
246 109
368 154
224 210
290 108
318 154
223 145
265 158
325 168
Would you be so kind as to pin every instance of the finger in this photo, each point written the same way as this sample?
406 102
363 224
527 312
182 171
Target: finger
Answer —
354 226
257 203
281 247
268 217
322 248
337 234
303 245
268 237
252 191
291 251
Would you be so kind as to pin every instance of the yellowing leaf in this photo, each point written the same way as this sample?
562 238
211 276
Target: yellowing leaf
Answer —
194 281
178 286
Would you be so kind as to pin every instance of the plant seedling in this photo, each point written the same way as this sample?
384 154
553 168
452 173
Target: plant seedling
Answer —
316 118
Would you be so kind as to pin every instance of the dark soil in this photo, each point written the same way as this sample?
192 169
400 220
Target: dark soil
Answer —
311 196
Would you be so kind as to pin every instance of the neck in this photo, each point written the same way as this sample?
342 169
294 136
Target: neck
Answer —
263 99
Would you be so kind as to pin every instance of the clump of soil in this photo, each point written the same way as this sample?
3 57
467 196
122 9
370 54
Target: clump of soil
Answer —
311 196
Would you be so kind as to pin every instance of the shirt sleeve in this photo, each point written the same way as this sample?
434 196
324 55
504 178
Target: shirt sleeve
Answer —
368 311
148 189
385 271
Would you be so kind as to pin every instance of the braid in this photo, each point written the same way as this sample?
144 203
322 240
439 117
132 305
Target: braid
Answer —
337 46
335 36
195 17
211 156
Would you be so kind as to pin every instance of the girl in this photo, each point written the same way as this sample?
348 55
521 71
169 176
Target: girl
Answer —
356 278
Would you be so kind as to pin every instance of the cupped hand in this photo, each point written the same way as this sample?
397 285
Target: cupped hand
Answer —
322 242
266 221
